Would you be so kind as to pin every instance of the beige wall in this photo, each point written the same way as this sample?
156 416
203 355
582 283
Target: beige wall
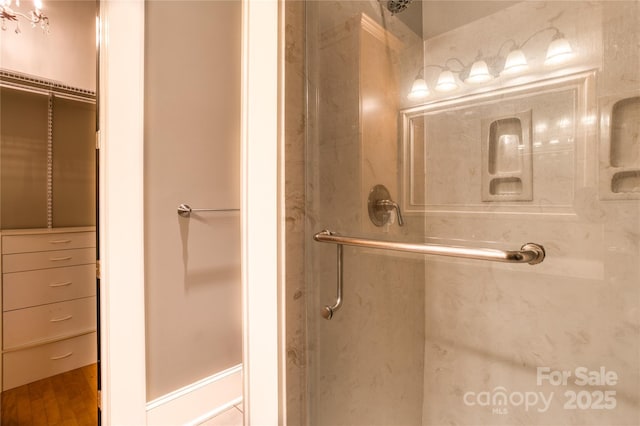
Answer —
23 159
24 182
67 54
192 155
74 165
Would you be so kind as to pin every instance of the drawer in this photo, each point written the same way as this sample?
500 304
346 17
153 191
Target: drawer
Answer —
33 325
33 288
28 365
47 259
48 241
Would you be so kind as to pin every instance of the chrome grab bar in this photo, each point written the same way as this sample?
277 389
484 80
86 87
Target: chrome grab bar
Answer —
185 210
328 311
530 253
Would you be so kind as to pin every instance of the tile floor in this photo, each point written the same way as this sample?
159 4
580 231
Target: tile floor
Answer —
231 417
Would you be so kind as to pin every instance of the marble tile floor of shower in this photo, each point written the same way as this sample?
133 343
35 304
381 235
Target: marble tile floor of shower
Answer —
231 417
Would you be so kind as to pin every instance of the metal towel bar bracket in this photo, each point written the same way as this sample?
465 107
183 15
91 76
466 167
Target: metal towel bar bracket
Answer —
530 253
185 210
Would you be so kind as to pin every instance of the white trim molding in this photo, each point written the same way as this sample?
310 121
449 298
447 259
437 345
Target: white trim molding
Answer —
199 401
260 212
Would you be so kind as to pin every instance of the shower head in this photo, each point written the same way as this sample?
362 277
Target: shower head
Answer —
397 6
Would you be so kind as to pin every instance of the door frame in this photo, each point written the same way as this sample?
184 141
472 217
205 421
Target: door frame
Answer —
121 207
121 227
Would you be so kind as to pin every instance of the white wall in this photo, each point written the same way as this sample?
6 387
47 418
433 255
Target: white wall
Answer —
67 54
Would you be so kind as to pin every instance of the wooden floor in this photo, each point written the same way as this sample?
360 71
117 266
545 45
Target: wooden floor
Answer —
66 399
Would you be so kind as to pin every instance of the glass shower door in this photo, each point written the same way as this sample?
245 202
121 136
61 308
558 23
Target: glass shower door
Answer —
491 125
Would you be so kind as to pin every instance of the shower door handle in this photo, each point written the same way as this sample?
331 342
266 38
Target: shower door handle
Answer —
328 311
530 253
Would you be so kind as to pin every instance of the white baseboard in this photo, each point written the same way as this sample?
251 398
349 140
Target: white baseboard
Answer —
199 401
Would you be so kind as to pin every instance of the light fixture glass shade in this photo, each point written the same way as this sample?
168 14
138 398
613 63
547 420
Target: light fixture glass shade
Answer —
479 73
446 82
419 89
515 63
559 51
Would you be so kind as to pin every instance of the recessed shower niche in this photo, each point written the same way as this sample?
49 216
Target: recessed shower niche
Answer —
478 153
506 158
620 150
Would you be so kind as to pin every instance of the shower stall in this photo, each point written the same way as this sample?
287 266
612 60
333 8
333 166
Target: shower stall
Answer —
475 168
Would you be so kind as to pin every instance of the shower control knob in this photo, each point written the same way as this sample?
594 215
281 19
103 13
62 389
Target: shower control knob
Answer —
381 206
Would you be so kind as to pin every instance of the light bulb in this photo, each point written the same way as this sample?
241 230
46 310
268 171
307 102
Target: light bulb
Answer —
419 89
446 82
479 73
559 51
515 63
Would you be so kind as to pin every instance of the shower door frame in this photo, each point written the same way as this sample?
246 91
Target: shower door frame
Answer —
121 229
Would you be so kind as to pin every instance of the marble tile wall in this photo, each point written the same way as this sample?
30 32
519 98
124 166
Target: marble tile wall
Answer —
365 365
490 326
294 182
415 336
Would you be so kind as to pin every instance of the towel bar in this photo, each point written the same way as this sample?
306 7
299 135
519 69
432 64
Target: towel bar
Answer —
185 210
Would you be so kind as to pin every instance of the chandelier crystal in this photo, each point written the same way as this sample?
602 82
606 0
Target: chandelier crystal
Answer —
9 12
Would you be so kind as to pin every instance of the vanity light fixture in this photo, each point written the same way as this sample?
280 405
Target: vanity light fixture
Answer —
9 12
515 63
559 50
419 89
479 73
486 68
446 81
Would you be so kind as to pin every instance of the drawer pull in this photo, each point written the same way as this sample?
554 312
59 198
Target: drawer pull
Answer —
59 259
67 355
68 317
59 241
64 284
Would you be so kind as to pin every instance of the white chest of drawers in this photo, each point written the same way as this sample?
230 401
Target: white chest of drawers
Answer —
48 303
